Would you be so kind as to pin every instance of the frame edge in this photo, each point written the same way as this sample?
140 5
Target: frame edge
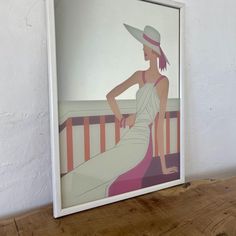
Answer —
52 78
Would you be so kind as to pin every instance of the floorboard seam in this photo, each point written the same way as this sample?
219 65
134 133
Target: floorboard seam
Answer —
16 227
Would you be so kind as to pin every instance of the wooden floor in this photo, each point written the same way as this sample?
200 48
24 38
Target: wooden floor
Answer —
206 207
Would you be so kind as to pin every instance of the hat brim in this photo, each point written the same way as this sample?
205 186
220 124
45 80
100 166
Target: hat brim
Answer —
138 34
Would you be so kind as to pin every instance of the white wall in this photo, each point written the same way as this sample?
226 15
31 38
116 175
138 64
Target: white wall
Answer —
25 169
210 83
25 173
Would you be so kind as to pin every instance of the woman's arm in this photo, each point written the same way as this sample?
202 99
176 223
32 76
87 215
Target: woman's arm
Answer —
162 91
134 79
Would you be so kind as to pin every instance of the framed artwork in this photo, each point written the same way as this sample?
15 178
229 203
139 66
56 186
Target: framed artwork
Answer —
116 100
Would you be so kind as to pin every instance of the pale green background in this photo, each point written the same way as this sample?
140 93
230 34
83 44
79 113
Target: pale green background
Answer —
95 52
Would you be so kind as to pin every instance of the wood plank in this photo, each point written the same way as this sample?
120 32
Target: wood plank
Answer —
206 207
8 227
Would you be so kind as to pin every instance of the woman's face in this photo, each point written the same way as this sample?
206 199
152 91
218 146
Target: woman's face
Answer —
148 53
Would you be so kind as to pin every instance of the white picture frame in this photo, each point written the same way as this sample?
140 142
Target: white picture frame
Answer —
58 209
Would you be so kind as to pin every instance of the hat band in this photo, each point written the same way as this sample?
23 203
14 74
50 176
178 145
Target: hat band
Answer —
151 40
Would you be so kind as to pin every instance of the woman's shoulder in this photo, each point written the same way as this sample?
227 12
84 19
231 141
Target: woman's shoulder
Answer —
163 84
164 80
137 76
138 73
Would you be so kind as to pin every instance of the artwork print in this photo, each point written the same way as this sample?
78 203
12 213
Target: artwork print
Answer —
118 98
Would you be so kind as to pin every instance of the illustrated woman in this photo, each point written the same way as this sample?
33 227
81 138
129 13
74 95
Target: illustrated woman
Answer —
105 174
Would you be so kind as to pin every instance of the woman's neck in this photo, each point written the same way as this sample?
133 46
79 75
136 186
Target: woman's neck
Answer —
153 68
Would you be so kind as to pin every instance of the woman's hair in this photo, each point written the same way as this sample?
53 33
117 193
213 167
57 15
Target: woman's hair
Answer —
162 61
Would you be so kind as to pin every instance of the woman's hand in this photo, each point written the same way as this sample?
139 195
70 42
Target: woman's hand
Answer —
130 120
170 170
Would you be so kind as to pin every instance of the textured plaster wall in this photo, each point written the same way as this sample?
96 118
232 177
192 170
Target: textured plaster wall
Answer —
25 166
210 68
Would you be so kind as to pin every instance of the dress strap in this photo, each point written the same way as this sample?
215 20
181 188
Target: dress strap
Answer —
159 79
143 77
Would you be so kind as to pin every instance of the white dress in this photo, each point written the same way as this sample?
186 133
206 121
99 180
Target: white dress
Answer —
90 181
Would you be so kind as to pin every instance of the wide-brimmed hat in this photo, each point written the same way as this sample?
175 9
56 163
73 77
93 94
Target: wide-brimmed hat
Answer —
151 38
